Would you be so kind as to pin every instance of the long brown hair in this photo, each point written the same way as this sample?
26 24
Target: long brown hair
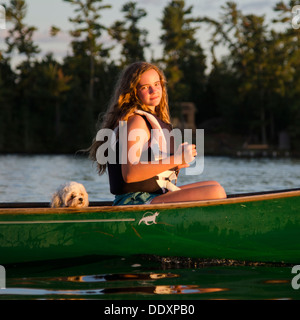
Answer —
125 101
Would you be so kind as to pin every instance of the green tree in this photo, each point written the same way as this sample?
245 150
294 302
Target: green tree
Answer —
289 40
88 53
9 118
183 56
259 61
20 39
20 36
79 122
132 38
57 84
87 31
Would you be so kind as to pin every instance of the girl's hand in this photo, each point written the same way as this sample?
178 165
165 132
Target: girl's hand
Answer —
185 154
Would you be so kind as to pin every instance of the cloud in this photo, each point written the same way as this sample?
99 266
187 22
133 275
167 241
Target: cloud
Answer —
44 37
151 2
256 6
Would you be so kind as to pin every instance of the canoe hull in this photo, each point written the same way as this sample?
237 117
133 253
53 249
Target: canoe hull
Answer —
263 229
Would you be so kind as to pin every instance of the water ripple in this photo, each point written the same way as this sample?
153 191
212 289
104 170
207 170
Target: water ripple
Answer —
36 177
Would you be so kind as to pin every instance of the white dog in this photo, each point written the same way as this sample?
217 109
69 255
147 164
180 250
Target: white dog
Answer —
72 194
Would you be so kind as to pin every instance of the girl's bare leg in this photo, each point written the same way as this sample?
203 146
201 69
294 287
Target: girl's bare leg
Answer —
193 192
200 184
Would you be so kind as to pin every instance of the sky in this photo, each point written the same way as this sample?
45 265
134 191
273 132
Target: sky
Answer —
45 13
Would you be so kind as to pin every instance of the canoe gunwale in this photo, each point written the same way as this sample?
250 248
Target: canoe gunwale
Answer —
95 207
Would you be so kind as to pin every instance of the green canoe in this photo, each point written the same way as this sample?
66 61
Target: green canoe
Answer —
260 227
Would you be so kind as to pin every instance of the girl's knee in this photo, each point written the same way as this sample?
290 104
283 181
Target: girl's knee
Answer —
220 192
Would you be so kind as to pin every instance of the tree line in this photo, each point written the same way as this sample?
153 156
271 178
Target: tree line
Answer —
253 91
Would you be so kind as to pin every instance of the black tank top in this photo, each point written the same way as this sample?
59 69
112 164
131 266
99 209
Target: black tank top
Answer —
116 181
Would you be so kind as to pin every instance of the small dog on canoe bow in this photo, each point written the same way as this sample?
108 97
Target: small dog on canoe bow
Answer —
72 194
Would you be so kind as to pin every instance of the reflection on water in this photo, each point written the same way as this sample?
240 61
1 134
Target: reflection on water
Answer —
139 283
187 289
148 281
119 277
277 281
162 290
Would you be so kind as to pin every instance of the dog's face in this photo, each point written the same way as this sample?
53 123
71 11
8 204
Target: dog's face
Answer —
72 194
75 196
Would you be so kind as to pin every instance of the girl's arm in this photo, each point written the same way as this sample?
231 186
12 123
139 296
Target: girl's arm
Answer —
134 170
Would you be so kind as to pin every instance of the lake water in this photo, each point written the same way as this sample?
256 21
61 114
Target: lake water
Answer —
36 177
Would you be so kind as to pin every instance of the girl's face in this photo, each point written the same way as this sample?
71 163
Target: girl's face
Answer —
149 89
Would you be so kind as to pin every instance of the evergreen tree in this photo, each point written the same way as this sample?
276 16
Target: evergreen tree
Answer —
20 36
88 54
126 32
259 61
183 56
87 32
9 118
289 42
20 39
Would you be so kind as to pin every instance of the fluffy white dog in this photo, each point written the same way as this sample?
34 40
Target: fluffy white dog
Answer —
72 194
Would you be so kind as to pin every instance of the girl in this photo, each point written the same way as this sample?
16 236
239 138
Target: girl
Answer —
140 99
